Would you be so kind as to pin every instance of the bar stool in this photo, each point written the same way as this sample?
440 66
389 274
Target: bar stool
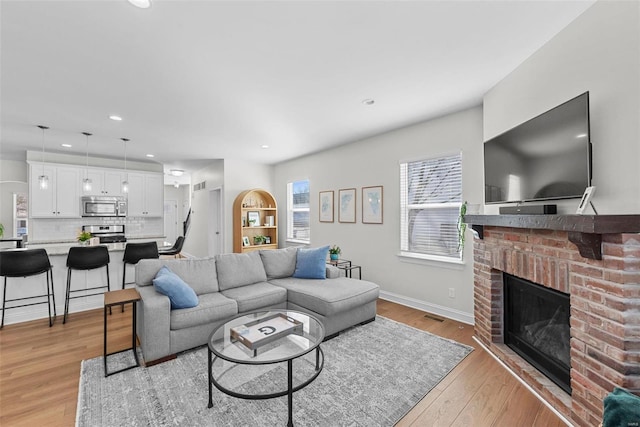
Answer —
173 250
85 258
25 263
134 252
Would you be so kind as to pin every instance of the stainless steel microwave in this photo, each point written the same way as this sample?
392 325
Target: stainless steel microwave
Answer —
104 206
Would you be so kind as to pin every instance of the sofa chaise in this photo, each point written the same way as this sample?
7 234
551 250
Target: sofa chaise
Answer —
231 284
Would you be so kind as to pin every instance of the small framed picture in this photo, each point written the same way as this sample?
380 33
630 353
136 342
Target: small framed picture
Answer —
586 199
372 205
267 240
253 218
347 205
245 241
326 206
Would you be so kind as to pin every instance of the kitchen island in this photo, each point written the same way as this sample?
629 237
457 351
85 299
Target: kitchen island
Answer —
58 251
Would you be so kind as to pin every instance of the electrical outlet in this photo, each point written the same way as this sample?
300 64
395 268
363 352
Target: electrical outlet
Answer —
452 292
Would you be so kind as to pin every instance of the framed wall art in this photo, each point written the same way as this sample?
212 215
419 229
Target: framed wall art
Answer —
347 205
326 206
372 205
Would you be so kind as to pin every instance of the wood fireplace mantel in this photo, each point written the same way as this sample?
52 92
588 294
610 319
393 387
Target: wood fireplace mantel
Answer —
585 231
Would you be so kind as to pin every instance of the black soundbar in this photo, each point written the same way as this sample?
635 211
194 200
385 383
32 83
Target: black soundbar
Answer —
529 210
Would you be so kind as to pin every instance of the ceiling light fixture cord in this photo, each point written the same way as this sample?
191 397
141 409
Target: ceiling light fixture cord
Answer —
125 183
86 182
43 179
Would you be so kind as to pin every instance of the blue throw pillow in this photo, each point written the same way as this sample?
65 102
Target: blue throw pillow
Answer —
311 263
170 284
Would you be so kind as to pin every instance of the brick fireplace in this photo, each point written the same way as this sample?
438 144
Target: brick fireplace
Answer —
600 271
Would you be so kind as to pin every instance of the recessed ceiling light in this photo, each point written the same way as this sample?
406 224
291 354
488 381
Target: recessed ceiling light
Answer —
368 101
142 4
116 118
582 135
150 155
264 146
67 145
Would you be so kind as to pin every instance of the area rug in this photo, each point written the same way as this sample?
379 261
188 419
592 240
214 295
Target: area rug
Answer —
373 375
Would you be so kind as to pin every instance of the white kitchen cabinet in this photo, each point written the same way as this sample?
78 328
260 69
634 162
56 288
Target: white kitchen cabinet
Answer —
104 182
146 194
62 197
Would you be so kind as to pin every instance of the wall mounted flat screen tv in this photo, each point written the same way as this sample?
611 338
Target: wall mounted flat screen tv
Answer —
545 158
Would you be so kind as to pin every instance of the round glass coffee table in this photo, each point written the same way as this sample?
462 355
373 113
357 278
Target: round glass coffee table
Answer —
265 338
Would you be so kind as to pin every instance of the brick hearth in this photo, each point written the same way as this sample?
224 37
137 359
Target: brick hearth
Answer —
605 310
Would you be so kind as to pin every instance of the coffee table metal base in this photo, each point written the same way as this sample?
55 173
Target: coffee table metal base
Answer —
290 388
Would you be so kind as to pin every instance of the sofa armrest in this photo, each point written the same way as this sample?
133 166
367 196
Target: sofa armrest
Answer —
332 272
153 325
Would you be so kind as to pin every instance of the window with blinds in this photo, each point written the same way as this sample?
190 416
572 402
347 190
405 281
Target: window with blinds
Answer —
430 200
298 226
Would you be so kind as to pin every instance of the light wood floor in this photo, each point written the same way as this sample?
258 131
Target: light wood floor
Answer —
40 370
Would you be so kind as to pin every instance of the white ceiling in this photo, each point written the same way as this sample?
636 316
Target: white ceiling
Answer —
202 79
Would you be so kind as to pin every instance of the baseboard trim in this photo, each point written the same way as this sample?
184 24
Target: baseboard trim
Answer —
447 312
527 386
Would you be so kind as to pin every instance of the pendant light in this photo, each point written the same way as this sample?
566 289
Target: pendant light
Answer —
43 179
125 183
86 182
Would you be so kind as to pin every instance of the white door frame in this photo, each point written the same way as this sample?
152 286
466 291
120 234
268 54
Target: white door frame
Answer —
215 235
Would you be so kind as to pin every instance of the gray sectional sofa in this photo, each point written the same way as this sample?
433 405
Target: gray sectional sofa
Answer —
232 284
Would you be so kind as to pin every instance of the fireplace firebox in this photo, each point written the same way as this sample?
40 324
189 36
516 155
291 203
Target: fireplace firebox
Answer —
536 326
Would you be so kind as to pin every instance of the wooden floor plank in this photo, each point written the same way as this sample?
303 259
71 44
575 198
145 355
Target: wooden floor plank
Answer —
40 371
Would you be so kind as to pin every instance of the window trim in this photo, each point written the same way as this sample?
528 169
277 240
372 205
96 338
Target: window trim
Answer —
405 208
291 210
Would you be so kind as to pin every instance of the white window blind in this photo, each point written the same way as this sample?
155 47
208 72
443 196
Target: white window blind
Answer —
430 200
298 226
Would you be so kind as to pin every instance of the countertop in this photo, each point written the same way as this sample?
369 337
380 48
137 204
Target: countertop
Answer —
62 247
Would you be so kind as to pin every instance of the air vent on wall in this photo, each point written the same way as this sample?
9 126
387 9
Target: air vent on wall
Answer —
200 186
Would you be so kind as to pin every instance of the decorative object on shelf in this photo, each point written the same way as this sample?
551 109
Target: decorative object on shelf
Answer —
259 239
86 182
1 230
253 218
462 226
372 205
326 206
245 241
125 183
84 237
267 240
347 205
334 252
43 179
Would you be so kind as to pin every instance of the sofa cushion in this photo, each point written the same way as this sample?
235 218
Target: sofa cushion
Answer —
311 263
239 270
327 297
199 273
279 263
170 284
256 296
212 307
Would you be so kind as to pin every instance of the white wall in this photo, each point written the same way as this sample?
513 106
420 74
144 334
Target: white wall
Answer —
375 161
196 242
599 52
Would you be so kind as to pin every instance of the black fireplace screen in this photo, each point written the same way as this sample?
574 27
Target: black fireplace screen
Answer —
536 326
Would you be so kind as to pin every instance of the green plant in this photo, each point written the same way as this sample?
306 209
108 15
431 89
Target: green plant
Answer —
259 239
462 227
83 236
1 230
335 250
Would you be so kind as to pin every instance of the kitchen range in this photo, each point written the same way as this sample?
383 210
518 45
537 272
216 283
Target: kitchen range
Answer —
106 233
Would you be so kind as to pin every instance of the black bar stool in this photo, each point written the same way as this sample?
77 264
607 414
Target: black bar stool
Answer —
85 258
173 250
25 263
134 252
